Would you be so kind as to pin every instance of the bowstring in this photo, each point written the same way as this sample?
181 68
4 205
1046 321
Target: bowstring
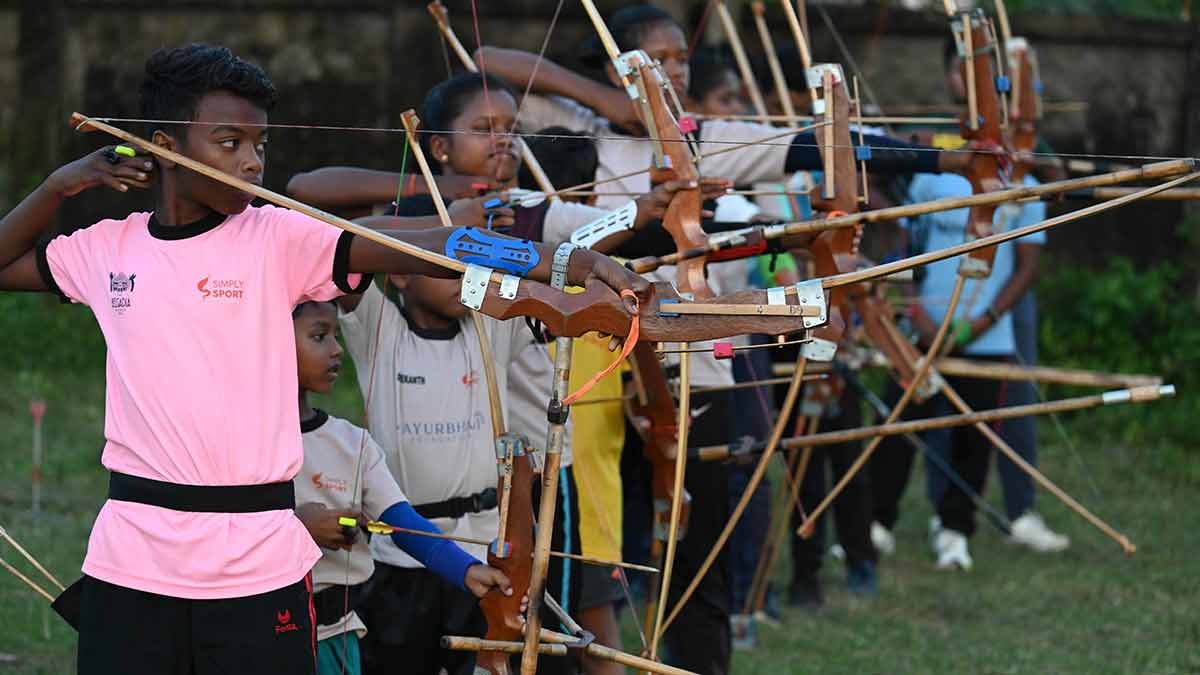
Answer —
355 495
636 139
537 64
446 55
483 77
700 25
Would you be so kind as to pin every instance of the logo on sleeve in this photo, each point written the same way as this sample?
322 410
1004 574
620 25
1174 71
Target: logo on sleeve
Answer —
120 291
221 290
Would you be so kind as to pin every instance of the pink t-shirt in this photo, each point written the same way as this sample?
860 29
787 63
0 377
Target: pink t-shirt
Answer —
201 388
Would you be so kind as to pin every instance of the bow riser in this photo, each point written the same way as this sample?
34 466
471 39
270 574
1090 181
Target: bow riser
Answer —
503 612
839 152
1026 103
661 436
984 126
682 219
598 308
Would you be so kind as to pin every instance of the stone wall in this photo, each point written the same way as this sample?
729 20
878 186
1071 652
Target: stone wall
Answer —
362 63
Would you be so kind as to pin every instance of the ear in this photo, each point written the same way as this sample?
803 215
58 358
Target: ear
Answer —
400 281
166 141
439 147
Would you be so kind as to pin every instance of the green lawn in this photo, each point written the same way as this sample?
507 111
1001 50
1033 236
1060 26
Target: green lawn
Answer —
1089 610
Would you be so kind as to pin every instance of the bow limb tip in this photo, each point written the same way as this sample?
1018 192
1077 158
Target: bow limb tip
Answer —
79 122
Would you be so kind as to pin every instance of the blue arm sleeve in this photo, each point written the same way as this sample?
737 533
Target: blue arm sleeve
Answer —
888 155
442 556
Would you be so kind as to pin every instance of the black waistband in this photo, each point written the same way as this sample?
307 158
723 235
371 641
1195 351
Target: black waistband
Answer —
459 506
331 604
202 498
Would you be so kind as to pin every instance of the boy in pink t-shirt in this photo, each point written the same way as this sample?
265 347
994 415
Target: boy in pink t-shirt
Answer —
197 563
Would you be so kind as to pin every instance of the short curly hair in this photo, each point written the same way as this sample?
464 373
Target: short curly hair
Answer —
177 78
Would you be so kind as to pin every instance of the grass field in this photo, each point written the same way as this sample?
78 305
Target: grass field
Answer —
1091 610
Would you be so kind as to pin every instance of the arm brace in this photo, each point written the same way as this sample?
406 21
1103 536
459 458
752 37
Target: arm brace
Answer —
442 556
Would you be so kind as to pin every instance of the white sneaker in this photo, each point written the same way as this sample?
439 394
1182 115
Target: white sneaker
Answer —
935 527
837 552
883 539
950 547
1030 530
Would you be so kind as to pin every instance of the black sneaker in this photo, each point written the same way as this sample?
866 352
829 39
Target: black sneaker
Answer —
805 593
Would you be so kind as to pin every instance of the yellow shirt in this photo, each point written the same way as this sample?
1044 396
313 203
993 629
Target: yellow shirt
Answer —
597 441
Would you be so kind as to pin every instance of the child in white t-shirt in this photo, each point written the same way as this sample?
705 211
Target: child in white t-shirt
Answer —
344 475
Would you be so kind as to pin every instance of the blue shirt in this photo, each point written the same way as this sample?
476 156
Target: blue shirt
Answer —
936 231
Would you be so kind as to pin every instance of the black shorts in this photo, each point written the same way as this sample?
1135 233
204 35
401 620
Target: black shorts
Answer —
128 632
599 586
407 611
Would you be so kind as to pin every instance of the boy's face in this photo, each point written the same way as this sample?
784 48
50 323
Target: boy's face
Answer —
663 42
801 102
318 354
439 297
482 144
724 99
230 134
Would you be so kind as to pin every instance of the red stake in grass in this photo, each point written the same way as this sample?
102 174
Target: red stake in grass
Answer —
38 410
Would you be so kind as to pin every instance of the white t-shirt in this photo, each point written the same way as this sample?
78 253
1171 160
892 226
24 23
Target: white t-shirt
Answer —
333 449
427 406
619 154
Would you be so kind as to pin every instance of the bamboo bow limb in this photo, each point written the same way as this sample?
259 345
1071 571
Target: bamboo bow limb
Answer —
799 36
1152 171
999 238
785 413
739 57
84 123
384 528
961 367
28 582
788 497
684 426
1143 394
562 648
805 529
854 119
1178 194
556 437
777 76
410 121
32 561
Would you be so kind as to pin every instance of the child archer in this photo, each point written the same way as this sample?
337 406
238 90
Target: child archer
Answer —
345 475
197 562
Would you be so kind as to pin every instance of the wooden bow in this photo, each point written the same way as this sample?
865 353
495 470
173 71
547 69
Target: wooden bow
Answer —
983 125
665 316
512 550
665 439
835 251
